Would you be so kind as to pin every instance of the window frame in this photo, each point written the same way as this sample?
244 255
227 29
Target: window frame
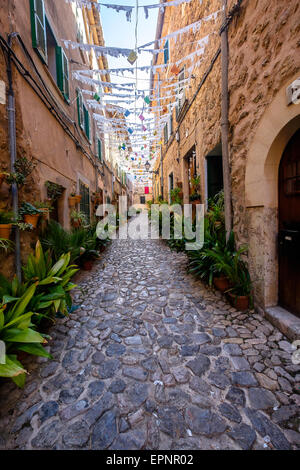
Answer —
34 30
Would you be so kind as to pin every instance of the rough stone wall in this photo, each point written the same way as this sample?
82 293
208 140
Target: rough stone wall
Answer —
264 57
200 125
264 54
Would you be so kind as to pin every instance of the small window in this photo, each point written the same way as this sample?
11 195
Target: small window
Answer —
166 52
38 28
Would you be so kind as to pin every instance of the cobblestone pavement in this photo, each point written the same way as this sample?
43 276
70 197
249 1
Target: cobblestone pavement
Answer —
154 360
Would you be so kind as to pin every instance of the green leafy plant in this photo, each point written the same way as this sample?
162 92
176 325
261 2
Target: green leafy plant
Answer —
24 166
78 216
29 209
6 246
6 217
175 196
196 189
54 285
17 333
43 205
15 177
54 190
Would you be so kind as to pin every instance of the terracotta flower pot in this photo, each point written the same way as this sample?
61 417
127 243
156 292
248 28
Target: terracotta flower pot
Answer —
76 223
78 198
72 201
240 302
87 265
2 178
221 283
31 219
5 230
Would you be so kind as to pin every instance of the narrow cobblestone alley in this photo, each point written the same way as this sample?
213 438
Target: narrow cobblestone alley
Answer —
154 360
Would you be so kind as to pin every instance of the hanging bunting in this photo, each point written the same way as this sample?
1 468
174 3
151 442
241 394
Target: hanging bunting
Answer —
132 57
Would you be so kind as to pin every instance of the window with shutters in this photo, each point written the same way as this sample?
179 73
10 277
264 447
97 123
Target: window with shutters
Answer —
166 52
38 28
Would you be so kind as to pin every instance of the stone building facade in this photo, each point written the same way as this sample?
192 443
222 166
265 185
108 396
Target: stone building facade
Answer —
54 125
264 60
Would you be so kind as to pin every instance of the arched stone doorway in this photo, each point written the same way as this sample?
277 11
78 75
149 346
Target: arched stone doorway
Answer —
289 226
279 123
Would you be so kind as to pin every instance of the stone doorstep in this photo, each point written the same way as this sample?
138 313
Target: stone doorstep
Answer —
285 321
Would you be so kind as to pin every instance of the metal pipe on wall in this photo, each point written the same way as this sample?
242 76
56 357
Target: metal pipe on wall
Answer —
11 111
225 123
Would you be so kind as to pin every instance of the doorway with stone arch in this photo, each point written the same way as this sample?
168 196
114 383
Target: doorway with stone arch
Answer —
277 127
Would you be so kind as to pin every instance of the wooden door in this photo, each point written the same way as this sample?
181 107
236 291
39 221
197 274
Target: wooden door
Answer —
289 226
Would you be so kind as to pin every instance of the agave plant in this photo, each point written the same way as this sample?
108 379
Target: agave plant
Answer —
17 333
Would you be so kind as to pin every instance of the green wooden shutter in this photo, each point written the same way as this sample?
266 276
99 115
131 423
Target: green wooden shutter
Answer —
99 150
38 27
66 75
59 69
86 121
166 133
62 71
80 109
166 52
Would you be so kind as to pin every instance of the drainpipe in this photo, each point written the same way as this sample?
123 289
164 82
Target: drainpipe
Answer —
11 110
225 123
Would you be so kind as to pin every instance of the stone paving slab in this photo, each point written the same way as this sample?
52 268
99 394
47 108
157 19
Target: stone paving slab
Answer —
153 359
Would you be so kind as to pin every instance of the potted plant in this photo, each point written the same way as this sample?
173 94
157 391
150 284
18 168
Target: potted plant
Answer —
72 200
45 207
54 190
78 198
195 196
23 168
6 220
30 214
78 218
175 195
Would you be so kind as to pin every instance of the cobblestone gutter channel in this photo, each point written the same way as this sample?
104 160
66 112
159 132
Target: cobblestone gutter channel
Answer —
154 360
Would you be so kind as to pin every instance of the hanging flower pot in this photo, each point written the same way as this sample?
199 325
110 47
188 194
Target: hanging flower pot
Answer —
78 198
5 231
31 219
221 283
72 201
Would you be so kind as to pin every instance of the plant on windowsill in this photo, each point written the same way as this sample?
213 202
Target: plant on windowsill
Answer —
175 195
6 221
195 196
54 190
30 213
45 207
78 218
